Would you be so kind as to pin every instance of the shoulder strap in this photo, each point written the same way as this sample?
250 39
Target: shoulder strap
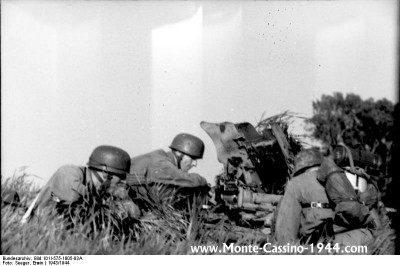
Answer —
84 175
87 176
350 156
334 172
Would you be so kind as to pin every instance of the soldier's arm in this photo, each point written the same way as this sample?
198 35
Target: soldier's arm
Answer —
67 184
288 218
167 173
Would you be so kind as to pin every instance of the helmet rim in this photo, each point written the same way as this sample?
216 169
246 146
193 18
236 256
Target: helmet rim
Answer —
188 144
110 159
306 159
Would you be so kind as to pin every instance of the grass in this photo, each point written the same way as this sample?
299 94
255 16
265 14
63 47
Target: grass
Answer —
161 230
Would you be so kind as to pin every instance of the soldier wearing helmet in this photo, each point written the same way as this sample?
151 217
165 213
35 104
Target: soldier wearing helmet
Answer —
305 212
170 167
106 170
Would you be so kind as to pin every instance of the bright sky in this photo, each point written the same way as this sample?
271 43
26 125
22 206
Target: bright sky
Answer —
78 74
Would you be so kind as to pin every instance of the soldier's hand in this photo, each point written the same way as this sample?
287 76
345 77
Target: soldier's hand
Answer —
203 181
132 209
211 195
126 208
200 181
120 192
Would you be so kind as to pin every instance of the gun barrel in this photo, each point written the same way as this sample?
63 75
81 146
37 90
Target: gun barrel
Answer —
247 197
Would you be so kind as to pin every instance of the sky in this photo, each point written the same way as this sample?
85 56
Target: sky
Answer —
133 74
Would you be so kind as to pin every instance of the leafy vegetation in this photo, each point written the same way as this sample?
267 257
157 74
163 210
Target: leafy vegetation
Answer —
356 122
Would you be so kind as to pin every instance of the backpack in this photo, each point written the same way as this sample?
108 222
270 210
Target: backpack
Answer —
350 212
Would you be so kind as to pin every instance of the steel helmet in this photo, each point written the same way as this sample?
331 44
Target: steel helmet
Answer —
111 159
306 159
188 144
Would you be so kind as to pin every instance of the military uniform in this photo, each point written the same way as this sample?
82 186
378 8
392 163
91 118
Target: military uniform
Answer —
68 184
304 211
161 167
297 219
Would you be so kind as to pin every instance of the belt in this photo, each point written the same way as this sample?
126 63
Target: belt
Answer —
317 205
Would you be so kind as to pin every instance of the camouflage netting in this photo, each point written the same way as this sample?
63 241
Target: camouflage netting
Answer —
275 167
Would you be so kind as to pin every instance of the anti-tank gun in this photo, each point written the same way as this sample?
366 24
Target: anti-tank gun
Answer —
256 168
